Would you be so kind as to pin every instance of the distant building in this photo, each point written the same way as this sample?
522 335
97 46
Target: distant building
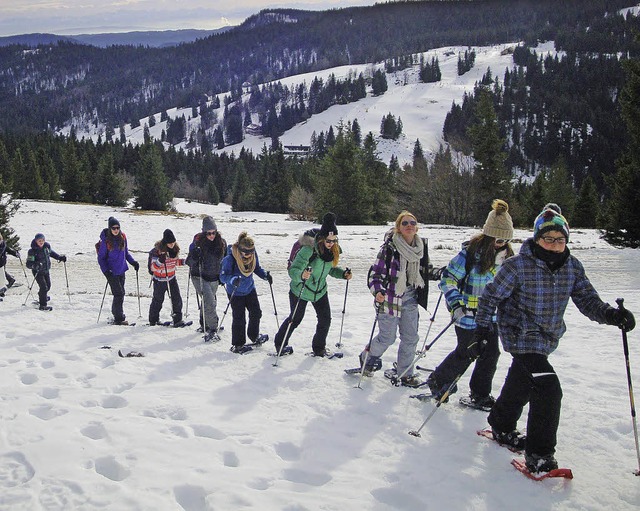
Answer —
296 150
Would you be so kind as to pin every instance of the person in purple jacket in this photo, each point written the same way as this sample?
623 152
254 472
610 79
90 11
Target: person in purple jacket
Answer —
530 293
113 254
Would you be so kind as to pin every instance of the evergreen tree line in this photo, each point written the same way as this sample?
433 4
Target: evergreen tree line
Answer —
466 61
54 85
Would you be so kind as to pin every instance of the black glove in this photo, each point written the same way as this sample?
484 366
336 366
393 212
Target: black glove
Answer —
269 278
108 274
37 267
437 273
480 340
162 258
63 259
136 265
235 281
622 318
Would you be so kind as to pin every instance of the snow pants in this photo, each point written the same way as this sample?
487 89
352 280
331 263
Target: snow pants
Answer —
44 284
323 313
208 302
406 325
458 361
239 330
116 283
160 288
531 379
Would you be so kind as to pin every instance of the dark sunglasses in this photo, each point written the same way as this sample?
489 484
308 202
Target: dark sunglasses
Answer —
247 251
502 241
115 228
331 242
408 222
211 233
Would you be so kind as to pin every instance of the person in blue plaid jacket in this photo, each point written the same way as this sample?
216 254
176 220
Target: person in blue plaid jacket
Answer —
530 293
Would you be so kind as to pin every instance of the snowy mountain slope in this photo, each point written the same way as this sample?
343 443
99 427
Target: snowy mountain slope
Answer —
195 427
422 107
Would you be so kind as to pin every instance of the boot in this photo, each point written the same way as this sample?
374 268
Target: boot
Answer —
536 463
513 439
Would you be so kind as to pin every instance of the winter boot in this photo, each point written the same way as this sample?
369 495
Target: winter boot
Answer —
10 280
482 401
322 352
373 363
240 349
45 308
3 290
438 389
513 439
411 381
537 463
287 350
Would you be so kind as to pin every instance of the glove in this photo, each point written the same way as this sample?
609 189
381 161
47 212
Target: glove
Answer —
437 273
37 267
269 278
235 281
197 252
63 259
150 271
479 342
459 312
108 274
346 274
162 258
622 318
136 265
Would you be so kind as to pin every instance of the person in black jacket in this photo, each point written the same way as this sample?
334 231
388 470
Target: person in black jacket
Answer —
206 252
6 280
39 262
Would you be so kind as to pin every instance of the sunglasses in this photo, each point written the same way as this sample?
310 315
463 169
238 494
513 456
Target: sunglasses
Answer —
331 241
502 241
115 228
561 240
211 233
247 251
409 222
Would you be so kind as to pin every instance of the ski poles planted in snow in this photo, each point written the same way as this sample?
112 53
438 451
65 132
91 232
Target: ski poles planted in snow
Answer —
102 303
22 266
138 286
344 308
431 320
275 310
224 314
67 279
625 346
444 397
186 310
293 315
366 357
30 287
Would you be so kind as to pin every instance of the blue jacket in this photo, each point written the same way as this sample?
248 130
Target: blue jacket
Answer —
39 259
531 300
230 270
113 257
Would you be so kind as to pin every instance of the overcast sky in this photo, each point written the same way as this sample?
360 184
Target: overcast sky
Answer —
67 17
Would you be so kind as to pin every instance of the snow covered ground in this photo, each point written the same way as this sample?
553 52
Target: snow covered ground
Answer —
195 427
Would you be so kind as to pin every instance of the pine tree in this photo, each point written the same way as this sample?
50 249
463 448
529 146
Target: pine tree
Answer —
587 206
111 184
622 214
492 179
74 181
152 185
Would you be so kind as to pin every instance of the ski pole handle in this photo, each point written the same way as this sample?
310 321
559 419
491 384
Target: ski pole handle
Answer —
620 302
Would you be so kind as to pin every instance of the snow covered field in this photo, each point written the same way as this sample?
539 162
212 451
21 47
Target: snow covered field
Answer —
195 427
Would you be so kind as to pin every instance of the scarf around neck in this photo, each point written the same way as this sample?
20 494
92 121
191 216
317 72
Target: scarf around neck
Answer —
246 266
410 255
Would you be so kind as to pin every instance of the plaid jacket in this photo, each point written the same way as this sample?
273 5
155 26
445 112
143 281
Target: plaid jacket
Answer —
531 301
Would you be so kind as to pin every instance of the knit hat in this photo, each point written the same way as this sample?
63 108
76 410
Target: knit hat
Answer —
209 224
554 206
498 224
168 237
39 236
245 241
113 222
328 225
550 220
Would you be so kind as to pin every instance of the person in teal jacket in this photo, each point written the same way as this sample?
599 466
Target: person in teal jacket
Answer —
315 261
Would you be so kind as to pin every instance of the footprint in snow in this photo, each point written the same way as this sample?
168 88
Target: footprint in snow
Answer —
94 431
230 459
110 468
47 412
28 378
15 470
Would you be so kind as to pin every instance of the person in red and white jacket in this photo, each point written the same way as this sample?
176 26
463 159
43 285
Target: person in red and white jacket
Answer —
163 260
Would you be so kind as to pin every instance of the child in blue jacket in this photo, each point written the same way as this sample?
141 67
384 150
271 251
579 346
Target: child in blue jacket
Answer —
39 262
238 267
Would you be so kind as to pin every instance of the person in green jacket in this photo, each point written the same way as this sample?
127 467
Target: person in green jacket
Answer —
317 259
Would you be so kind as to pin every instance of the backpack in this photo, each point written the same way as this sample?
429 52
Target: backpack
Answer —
298 245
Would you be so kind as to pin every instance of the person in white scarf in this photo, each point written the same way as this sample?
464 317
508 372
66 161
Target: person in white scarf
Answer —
394 281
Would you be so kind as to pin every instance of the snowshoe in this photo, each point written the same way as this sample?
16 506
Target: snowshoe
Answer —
484 403
240 350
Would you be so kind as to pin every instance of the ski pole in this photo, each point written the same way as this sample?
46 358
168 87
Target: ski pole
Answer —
431 320
166 274
202 309
138 287
102 303
625 346
186 310
29 293
275 311
224 314
444 397
22 266
396 379
344 308
366 357
290 319
67 279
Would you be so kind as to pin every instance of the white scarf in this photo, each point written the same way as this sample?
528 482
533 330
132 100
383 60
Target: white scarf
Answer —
410 255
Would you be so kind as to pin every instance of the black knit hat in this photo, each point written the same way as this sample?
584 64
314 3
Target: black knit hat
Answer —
328 225
168 237
113 221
